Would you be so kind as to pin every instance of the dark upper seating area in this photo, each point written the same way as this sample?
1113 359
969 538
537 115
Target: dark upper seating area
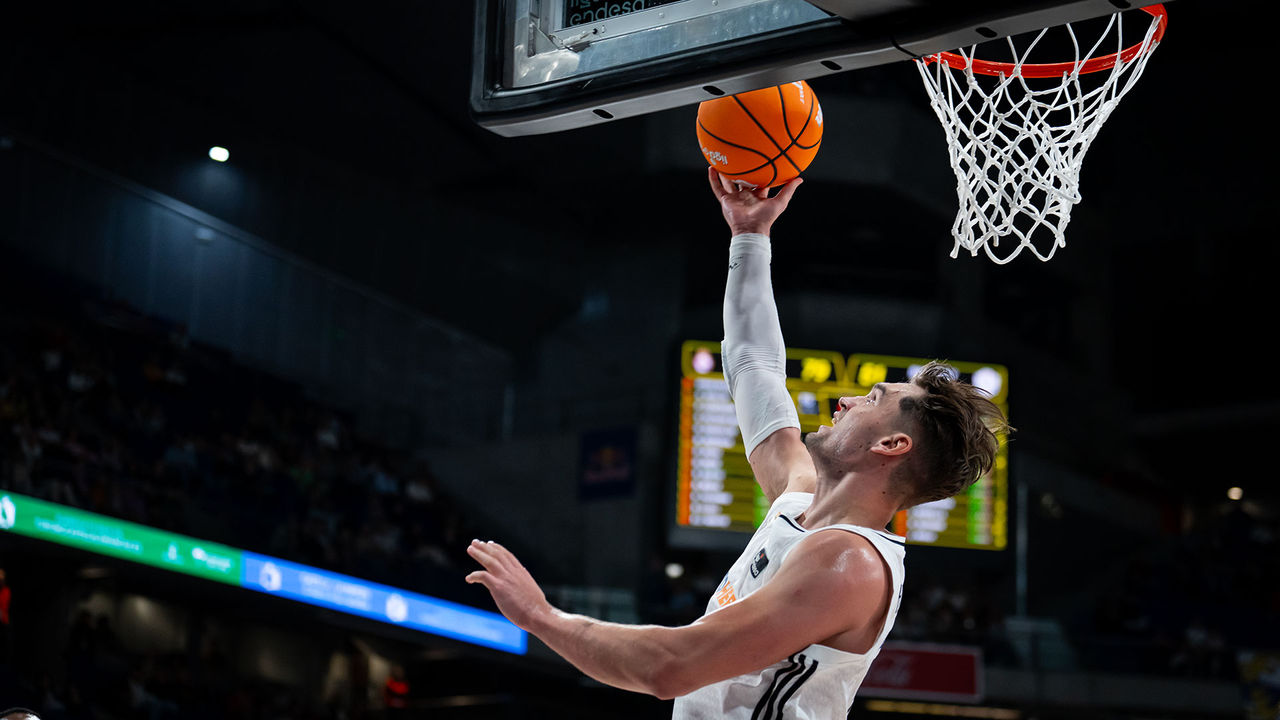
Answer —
110 411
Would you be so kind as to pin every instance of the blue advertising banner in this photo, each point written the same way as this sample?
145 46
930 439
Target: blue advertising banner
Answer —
383 603
105 535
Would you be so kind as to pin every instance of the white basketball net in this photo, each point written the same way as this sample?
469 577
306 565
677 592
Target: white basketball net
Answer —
1017 143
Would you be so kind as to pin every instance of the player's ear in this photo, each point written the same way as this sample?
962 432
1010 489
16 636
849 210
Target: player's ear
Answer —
896 444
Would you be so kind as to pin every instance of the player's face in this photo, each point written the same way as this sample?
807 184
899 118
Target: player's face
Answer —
858 423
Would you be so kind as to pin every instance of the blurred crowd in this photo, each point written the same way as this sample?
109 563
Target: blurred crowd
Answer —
1190 607
942 612
103 678
118 414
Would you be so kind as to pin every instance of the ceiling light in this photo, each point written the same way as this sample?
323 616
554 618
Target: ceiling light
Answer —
219 153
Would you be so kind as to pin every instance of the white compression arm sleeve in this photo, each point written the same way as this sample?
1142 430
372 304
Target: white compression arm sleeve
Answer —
753 353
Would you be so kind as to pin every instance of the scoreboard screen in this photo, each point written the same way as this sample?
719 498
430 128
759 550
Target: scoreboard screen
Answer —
717 499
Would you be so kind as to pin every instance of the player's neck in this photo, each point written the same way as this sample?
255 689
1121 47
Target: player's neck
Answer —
851 499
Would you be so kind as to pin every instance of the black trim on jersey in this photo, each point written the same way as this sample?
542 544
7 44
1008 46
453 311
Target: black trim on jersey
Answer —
763 705
785 684
891 538
887 536
796 686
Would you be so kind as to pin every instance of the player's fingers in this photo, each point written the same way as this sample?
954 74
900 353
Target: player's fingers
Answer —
717 187
482 554
493 556
784 195
504 555
730 188
479 576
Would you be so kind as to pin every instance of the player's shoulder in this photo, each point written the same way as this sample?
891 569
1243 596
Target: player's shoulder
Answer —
842 556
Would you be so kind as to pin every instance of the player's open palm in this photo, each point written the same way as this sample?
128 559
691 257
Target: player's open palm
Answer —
749 210
513 588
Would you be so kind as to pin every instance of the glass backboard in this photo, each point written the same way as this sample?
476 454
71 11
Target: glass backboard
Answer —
544 66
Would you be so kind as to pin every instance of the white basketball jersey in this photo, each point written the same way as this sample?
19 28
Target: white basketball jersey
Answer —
818 682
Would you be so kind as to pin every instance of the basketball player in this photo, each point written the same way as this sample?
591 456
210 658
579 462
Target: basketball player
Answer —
804 610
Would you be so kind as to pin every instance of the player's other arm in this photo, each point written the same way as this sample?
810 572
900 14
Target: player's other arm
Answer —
837 583
753 352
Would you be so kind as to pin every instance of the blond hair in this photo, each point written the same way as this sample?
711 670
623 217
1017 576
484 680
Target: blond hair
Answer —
957 429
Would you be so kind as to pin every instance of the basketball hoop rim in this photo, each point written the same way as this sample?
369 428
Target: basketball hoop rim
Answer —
1051 70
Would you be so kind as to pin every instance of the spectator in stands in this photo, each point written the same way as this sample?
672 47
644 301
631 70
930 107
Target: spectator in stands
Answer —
143 702
6 633
420 488
79 650
27 459
395 693
105 641
380 478
49 699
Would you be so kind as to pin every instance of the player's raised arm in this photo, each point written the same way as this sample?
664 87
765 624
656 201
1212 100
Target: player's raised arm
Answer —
837 583
753 352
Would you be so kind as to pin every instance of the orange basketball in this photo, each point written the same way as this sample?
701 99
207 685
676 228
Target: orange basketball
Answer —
761 138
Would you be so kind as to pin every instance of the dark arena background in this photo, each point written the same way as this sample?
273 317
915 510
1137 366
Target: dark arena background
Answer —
253 410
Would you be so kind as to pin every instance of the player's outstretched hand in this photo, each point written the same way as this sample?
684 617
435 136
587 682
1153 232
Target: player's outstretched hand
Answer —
512 587
749 210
